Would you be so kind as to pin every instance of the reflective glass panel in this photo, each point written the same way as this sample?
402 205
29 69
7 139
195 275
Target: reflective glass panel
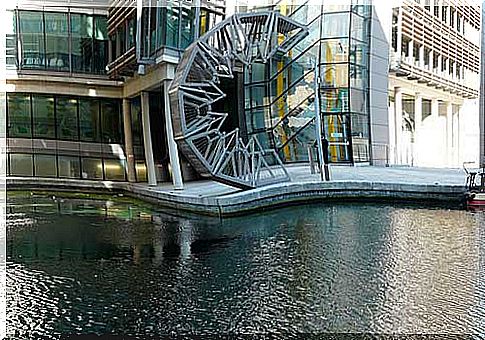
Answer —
172 26
334 75
82 31
358 101
69 167
11 40
358 77
92 168
334 51
359 52
66 116
114 169
20 165
45 165
89 120
359 28
136 125
32 39
19 118
100 44
57 41
187 26
141 171
110 121
43 116
335 25
334 100
336 131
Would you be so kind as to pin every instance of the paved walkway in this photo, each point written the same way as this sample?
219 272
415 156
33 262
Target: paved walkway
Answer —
301 174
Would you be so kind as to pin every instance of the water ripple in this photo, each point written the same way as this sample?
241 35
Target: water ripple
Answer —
121 269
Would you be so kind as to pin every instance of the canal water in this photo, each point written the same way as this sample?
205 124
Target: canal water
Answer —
114 266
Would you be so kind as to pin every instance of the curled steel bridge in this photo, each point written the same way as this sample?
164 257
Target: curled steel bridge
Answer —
243 38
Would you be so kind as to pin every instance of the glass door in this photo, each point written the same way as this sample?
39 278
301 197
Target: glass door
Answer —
336 130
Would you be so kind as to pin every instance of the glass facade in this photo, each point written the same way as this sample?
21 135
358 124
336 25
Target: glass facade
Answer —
174 25
66 42
280 96
63 136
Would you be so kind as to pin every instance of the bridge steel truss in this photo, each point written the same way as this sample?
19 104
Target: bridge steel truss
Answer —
243 38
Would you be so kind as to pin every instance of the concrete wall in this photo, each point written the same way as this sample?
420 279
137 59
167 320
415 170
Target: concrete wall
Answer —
379 73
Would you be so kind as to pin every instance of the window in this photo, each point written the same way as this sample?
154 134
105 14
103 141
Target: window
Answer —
172 26
32 39
359 28
82 30
66 116
114 169
141 171
358 77
92 168
20 165
187 26
43 116
111 121
19 117
334 75
89 124
136 124
120 41
69 167
11 40
131 32
358 101
335 50
335 25
57 41
100 44
45 165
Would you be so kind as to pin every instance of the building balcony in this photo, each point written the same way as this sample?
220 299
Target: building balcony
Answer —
412 69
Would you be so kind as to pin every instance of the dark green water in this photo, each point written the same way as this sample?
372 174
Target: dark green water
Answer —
78 267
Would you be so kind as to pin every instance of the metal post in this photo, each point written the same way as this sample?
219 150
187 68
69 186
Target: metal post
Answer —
128 141
147 139
172 146
318 123
310 158
139 41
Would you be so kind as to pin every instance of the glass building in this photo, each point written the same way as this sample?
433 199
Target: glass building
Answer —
88 87
280 98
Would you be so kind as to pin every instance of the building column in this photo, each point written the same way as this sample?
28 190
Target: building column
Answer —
172 145
147 139
398 124
399 34
411 51
449 133
130 157
440 62
435 109
418 118
421 56
431 60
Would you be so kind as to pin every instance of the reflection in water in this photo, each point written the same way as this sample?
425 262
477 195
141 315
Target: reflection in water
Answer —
96 267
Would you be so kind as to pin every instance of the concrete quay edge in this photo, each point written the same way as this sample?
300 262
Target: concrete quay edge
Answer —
242 202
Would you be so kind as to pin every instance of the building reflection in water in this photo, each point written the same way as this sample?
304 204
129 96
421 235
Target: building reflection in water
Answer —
334 268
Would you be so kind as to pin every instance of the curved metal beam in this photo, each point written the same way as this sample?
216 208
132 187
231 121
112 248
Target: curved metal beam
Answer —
242 38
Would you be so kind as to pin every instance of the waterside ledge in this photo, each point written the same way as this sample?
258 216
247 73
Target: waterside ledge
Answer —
210 198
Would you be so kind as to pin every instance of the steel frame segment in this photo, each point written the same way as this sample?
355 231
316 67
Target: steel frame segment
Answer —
244 37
